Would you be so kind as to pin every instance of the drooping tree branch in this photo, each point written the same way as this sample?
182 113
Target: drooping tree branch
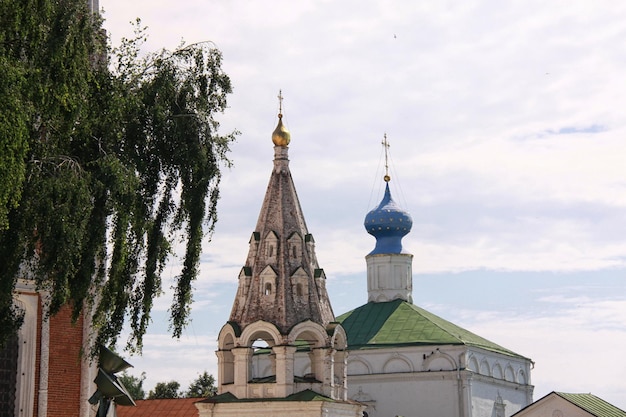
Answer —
110 162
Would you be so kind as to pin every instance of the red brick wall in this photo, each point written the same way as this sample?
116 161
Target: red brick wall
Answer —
64 365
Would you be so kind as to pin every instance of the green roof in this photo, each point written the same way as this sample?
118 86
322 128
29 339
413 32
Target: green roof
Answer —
272 378
306 395
593 405
399 323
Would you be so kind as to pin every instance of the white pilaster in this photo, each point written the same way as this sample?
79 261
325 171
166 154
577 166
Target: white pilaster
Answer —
27 339
242 357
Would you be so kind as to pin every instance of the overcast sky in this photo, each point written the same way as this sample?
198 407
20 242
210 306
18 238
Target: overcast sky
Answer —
508 138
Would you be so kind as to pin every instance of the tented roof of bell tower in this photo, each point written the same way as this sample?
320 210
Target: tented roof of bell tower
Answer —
281 282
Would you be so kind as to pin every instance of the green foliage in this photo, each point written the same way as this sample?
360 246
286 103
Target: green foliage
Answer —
165 390
102 166
13 138
202 387
133 384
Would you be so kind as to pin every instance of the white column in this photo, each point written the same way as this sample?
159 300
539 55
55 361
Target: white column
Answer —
242 357
340 365
284 370
323 367
225 370
27 351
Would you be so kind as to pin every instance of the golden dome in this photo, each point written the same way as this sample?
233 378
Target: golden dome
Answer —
281 135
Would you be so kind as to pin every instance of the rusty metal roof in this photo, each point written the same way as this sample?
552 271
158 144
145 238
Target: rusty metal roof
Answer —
171 407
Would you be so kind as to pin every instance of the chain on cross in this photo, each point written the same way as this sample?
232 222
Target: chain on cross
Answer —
386 146
280 102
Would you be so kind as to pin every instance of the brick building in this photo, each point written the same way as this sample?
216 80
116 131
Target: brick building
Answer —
44 373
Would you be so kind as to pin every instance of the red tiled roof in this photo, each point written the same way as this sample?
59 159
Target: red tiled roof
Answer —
173 407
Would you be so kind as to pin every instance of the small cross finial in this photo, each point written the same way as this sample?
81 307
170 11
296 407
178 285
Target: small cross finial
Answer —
280 102
386 146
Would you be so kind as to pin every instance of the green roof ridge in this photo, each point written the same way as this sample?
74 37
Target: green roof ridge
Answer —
400 323
473 340
593 404
306 395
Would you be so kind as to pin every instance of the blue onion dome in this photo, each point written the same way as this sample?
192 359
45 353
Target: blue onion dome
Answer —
388 223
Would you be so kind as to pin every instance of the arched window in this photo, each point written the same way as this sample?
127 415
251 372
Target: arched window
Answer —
268 288
295 247
299 283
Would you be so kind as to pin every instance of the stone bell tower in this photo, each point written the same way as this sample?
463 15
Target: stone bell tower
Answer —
281 345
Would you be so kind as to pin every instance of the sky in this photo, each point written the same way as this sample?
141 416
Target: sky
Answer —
507 131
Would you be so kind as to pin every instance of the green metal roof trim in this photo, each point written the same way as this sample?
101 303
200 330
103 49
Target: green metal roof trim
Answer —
399 323
592 404
272 378
306 395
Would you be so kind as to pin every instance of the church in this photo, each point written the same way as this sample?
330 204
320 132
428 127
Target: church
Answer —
283 349
404 360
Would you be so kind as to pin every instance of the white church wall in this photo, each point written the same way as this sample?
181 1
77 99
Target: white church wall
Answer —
486 392
444 381
279 409
405 359
406 381
262 365
498 376
499 366
423 394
